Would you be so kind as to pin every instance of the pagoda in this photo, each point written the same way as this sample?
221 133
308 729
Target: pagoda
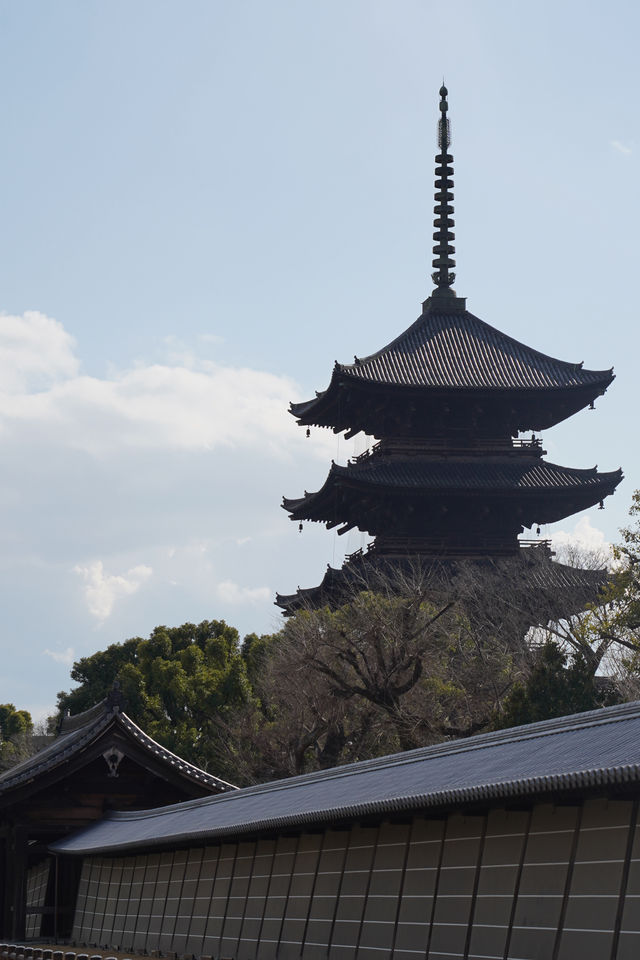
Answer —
449 477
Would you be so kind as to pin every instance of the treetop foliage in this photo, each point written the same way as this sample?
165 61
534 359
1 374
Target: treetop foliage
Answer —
15 729
13 722
176 683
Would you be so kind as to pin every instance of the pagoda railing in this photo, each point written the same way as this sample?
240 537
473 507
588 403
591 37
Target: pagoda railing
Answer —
437 548
533 443
441 548
451 446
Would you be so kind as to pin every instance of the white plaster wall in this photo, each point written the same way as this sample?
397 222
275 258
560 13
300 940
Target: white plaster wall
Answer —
551 881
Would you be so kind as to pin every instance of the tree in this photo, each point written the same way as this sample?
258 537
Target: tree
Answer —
16 727
13 722
176 684
397 666
603 639
414 655
588 658
559 683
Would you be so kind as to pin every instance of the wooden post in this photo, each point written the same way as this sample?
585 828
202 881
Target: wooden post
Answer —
16 875
5 885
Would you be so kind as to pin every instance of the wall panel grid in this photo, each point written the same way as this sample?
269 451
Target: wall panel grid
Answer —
36 893
553 882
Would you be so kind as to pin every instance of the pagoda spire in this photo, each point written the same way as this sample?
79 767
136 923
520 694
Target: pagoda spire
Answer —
443 249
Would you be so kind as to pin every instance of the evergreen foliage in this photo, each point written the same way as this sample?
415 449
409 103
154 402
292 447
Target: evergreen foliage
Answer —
177 684
16 727
558 684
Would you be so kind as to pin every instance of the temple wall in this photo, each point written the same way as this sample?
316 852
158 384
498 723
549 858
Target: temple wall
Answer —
552 881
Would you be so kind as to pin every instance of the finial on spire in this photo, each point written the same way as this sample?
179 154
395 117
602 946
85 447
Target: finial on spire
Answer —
443 249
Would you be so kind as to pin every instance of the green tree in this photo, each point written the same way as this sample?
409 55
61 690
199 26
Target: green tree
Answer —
13 722
16 728
177 684
559 684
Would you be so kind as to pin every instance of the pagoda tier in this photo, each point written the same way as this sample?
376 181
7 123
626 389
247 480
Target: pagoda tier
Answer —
451 373
555 588
433 506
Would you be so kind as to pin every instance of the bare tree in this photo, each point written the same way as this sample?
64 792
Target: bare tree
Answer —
415 653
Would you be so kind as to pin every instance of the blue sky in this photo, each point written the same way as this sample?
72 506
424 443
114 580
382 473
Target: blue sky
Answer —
205 204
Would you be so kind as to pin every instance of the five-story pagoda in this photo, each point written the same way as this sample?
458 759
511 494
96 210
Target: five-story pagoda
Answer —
446 400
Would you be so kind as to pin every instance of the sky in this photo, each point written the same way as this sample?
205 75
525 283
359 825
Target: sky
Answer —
203 205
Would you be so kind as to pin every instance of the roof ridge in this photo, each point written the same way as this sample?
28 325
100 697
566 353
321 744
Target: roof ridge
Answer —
61 745
179 761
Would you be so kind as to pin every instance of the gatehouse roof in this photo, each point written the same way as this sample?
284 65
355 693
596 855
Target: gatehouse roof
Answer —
83 732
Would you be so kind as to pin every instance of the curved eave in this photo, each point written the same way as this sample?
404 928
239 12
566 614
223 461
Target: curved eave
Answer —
298 507
299 410
310 597
328 409
320 506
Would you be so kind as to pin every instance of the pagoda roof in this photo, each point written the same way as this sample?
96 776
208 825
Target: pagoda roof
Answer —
448 348
82 732
415 474
365 569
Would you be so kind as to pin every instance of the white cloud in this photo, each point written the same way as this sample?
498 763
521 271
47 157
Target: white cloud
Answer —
102 589
584 538
35 352
184 404
62 656
621 148
230 592
180 463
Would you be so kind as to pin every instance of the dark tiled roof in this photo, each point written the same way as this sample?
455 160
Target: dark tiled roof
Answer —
543 574
556 577
97 720
499 476
581 752
454 350
458 350
471 474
